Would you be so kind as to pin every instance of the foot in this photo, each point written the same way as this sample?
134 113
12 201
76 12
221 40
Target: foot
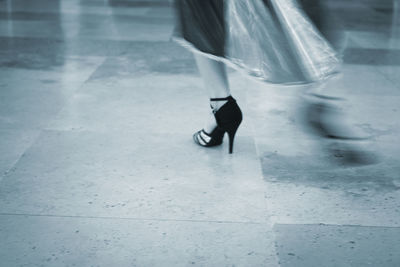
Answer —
227 118
213 138
211 134
327 121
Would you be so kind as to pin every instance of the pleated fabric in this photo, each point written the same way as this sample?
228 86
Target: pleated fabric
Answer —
202 24
273 40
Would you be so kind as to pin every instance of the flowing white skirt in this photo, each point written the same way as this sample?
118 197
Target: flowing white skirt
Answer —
274 41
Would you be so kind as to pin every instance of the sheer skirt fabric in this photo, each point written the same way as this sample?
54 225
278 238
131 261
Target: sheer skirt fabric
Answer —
277 41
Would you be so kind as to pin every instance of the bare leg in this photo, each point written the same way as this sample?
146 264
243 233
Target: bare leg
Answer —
216 83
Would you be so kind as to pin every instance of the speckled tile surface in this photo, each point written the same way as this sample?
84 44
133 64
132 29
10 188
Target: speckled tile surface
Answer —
98 166
332 245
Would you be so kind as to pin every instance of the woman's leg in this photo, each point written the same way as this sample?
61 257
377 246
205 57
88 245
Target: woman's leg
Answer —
325 116
215 82
226 115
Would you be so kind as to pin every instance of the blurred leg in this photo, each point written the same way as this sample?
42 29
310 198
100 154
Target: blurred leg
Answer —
322 113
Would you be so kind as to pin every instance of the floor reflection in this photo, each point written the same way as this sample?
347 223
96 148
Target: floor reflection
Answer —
97 111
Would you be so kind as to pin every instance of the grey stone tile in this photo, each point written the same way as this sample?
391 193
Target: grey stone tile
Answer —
361 16
136 105
372 56
171 59
17 111
27 5
163 12
109 28
392 74
310 180
331 169
360 80
141 176
68 241
32 29
301 204
158 30
148 104
72 7
37 53
30 98
46 57
331 245
87 21
30 16
373 40
121 146
135 3
86 7
13 144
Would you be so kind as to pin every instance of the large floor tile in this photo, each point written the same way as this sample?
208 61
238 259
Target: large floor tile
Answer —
359 80
75 7
130 31
32 29
375 40
326 202
329 245
321 181
111 26
391 73
136 176
30 98
174 60
13 144
115 179
64 241
141 105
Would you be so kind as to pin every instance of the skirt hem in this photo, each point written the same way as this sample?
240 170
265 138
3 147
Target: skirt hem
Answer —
188 45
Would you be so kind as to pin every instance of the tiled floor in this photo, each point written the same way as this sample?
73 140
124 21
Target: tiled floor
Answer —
98 168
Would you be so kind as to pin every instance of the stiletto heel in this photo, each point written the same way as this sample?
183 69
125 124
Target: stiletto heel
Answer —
231 136
228 119
231 130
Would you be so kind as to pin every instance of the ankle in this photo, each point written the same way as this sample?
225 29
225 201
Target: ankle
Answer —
217 103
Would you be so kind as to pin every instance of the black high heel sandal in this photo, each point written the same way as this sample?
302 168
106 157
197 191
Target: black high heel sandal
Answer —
228 118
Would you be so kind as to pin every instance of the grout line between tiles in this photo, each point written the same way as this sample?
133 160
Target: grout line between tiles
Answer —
34 139
133 218
44 128
343 225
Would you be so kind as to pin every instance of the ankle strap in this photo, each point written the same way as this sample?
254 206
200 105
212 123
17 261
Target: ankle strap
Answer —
222 99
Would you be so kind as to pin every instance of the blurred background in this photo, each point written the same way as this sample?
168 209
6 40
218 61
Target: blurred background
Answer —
98 168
